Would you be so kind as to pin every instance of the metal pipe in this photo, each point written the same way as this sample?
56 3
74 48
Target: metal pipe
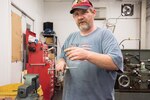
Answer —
22 11
142 35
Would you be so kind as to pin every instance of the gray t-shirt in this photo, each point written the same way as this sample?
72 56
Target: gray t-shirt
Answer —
87 81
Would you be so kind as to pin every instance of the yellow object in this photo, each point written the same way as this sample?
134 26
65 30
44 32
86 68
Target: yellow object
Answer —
10 90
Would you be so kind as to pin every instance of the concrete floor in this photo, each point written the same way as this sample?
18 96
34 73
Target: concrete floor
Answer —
132 96
118 96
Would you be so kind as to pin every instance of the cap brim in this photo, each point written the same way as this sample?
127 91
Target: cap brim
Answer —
78 7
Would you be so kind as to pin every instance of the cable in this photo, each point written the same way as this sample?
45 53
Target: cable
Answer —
108 24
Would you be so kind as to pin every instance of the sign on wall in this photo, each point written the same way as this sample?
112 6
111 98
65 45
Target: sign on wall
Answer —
16 37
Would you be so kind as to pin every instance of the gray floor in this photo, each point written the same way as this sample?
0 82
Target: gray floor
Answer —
132 96
118 96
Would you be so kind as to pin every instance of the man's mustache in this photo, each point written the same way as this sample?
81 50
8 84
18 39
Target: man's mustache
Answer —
81 21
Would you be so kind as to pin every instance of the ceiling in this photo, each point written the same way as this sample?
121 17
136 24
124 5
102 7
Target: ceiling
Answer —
90 0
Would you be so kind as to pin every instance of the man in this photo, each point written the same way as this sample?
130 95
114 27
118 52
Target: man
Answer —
91 57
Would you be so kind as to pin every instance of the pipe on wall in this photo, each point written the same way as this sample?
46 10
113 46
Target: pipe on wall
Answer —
142 34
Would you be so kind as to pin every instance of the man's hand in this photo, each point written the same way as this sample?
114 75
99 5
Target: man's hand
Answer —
77 53
61 64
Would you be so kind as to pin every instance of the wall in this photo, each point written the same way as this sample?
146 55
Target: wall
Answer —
5 43
58 13
11 72
126 27
33 8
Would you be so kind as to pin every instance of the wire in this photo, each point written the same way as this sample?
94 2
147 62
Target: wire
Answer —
108 24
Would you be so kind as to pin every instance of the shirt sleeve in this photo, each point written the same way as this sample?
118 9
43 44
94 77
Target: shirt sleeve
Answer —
110 46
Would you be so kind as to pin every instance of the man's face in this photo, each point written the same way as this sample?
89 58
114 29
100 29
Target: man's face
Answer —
84 18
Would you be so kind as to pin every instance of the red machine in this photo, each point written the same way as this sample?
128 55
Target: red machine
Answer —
38 63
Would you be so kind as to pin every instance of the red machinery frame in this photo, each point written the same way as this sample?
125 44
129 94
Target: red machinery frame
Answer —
38 63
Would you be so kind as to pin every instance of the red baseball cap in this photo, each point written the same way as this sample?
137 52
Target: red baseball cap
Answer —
80 4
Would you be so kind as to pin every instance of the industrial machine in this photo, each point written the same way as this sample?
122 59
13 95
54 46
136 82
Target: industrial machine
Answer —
39 63
136 76
28 91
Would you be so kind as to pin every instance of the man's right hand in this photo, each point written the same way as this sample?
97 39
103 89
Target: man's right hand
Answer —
60 65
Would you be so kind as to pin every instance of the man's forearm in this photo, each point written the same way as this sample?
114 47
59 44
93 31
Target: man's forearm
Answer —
102 60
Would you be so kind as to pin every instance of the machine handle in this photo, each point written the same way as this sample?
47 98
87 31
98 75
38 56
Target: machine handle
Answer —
53 69
65 68
38 64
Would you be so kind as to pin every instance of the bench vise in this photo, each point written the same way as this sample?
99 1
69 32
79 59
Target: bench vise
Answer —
28 91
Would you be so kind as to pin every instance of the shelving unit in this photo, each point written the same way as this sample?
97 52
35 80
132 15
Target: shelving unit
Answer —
51 41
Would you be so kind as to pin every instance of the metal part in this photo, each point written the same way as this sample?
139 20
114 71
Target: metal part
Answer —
37 64
65 68
124 81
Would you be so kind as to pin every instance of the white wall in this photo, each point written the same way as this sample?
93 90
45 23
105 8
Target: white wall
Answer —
34 8
10 72
126 27
58 13
5 42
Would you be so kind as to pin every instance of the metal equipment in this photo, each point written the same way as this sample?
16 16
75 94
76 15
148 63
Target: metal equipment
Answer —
28 91
136 76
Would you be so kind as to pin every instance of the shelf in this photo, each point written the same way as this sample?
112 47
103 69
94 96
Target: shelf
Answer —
49 35
52 45
51 41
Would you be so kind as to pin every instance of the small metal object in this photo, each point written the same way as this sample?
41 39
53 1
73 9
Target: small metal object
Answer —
71 67
65 68
124 81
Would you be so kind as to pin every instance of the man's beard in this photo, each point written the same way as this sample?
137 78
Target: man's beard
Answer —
84 26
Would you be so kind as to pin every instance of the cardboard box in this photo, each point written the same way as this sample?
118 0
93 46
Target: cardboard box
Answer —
49 40
51 56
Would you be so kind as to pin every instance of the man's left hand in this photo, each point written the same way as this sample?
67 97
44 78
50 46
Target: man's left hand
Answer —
77 53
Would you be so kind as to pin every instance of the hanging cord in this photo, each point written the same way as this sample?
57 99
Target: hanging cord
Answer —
108 24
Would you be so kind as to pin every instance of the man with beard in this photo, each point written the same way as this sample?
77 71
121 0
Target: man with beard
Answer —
91 57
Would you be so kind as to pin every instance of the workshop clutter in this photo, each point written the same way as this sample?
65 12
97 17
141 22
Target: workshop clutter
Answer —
49 37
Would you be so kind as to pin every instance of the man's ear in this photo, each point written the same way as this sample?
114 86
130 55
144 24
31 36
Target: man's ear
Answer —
94 12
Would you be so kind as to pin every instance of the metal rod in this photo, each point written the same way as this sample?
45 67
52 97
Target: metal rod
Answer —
65 68
37 64
22 11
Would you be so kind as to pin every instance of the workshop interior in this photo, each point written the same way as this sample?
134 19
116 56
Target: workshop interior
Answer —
33 32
